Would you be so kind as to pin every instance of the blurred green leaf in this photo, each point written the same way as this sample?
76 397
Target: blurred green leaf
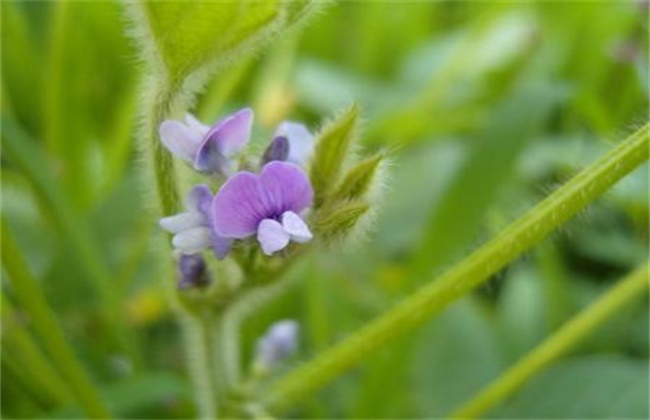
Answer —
587 387
188 36
457 354
490 162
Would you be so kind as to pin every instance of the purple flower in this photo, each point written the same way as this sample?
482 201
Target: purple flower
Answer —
210 149
292 142
280 342
193 230
267 204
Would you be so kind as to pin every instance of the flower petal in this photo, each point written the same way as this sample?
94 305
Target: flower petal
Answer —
220 245
223 141
272 236
196 126
238 207
286 188
199 199
179 139
182 221
301 141
277 150
296 227
193 240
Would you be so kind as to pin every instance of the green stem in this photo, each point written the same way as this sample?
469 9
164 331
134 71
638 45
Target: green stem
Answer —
553 347
199 350
462 278
28 293
164 101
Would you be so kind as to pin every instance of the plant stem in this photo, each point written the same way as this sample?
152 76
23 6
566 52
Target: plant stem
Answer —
556 345
164 99
28 293
201 350
462 278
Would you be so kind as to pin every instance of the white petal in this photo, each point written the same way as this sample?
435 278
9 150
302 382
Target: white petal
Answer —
196 126
179 139
296 227
193 240
271 236
182 221
301 141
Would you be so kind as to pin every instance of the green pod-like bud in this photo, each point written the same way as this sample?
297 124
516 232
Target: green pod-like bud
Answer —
332 148
337 221
359 179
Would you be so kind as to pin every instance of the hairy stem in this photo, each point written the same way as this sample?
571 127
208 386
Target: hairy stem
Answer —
163 100
31 298
553 347
462 278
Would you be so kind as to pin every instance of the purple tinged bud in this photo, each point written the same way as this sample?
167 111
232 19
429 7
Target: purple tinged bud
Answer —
279 343
277 150
192 272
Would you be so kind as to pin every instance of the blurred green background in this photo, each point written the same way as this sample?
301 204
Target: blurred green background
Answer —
488 106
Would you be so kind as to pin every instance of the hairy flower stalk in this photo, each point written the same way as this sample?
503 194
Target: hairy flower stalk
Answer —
258 218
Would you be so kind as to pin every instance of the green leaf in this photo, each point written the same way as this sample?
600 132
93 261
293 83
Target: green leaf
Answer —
455 220
448 365
188 36
588 387
333 145
359 180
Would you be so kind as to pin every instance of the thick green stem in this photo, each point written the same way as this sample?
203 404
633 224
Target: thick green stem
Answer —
462 278
555 346
31 298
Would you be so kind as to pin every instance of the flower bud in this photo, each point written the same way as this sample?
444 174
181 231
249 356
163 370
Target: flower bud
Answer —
277 150
279 343
192 272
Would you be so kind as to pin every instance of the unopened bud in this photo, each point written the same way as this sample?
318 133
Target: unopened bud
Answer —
277 150
192 272
279 343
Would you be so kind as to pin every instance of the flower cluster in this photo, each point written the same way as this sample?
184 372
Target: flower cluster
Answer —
268 205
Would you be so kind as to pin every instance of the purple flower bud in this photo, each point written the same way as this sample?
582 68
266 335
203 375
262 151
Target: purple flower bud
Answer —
192 272
279 343
301 142
210 149
267 204
277 150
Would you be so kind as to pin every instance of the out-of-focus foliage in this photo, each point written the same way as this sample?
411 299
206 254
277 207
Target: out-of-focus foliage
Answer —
487 106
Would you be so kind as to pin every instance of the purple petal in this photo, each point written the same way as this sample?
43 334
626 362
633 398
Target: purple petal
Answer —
196 126
237 208
277 150
179 139
220 245
199 199
301 141
286 187
272 236
223 141
246 199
